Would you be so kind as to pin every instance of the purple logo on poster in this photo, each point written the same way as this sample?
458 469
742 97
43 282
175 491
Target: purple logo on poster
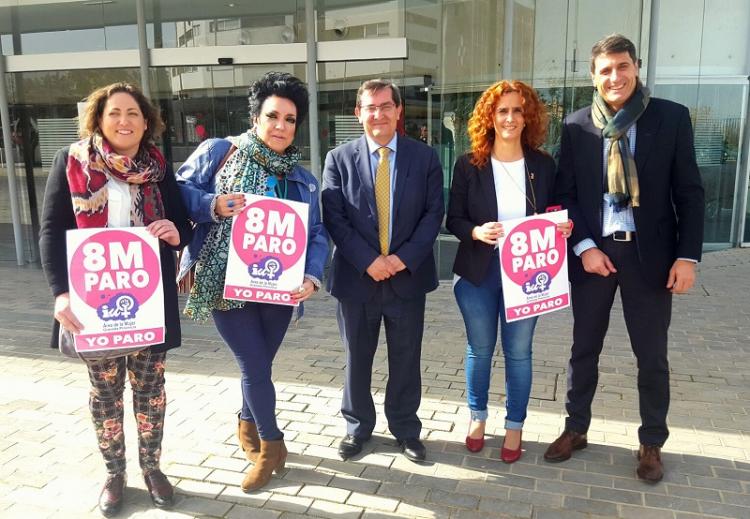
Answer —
540 283
268 268
120 308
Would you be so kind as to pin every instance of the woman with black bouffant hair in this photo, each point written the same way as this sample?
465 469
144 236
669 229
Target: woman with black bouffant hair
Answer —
213 182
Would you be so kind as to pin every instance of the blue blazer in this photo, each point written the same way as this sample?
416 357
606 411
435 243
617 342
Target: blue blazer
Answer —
350 216
197 181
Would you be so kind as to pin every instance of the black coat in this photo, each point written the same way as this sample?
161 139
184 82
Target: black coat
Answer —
669 221
473 202
58 217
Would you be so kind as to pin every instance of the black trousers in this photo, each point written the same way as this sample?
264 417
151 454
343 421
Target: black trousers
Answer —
647 311
359 324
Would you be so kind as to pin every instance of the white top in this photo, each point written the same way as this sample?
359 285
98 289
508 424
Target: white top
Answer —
510 188
118 203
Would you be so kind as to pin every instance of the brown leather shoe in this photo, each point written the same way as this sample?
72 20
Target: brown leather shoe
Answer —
562 448
110 500
160 489
650 467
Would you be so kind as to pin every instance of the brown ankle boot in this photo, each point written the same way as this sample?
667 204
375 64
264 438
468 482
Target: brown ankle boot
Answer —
272 457
247 434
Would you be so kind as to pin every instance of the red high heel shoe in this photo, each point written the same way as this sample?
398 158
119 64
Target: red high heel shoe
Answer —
509 455
474 444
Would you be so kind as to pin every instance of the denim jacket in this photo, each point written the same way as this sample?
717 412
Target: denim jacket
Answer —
197 181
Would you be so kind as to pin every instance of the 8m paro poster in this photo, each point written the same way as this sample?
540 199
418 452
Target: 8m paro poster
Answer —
267 251
115 288
534 266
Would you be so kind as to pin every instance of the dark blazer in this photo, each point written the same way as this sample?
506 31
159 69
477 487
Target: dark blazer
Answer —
669 221
350 216
473 201
58 217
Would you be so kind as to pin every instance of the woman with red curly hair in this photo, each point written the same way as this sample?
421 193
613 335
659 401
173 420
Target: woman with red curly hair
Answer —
504 176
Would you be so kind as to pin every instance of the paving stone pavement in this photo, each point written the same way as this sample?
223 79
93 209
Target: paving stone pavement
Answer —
50 466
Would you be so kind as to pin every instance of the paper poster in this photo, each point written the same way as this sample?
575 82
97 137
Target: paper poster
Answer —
534 266
115 287
267 251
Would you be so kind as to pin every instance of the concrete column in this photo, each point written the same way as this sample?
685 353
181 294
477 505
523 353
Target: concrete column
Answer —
312 87
653 45
508 40
145 57
744 171
10 164
743 174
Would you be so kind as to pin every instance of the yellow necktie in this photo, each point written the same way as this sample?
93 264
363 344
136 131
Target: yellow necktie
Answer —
383 197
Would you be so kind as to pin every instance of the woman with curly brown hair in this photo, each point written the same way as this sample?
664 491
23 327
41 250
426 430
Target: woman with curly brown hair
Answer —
115 176
504 176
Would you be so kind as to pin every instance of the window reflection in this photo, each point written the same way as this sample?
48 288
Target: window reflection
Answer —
51 27
198 103
456 48
42 110
241 22
716 127
361 20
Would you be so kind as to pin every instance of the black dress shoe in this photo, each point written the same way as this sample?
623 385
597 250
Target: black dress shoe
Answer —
413 449
350 446
110 500
159 488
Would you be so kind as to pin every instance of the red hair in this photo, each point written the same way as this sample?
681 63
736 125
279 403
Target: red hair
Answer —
482 127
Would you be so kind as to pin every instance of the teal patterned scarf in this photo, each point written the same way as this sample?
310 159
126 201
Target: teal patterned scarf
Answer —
246 171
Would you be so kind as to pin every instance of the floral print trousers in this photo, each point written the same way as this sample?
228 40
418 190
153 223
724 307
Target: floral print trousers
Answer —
145 371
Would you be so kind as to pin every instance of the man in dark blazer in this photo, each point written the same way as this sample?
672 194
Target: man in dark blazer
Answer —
383 207
627 175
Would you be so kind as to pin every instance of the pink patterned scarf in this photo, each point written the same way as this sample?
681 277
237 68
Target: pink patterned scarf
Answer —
92 163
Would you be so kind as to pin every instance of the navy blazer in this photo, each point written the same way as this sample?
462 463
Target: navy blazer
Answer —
669 221
351 218
473 201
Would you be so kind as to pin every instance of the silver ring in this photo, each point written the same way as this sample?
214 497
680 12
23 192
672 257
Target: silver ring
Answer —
301 289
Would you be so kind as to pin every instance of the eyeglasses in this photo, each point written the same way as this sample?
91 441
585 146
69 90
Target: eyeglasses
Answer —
383 109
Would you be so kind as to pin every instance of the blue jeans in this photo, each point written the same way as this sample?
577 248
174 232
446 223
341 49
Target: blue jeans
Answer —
482 307
254 333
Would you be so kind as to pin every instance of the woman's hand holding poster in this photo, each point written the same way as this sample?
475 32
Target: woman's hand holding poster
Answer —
115 288
267 251
534 266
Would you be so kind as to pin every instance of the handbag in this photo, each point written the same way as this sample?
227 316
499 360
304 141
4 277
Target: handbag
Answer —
66 343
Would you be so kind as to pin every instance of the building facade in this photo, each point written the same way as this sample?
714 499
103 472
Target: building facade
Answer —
196 58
